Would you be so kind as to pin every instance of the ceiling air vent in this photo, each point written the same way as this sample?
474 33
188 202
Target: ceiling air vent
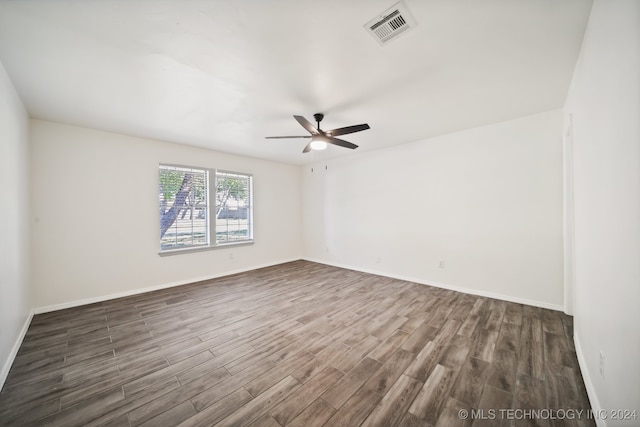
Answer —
391 23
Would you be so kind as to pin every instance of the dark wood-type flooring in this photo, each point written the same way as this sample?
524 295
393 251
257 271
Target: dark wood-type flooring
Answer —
298 344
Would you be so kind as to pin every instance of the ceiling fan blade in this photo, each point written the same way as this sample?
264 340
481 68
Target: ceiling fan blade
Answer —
306 124
348 129
341 143
307 148
286 137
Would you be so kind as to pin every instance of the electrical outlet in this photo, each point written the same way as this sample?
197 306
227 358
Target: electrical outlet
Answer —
441 264
378 260
602 359
230 255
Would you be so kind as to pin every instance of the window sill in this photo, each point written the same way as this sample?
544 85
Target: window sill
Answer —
171 252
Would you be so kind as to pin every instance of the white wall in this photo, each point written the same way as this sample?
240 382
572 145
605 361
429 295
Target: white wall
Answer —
486 201
604 101
15 303
95 214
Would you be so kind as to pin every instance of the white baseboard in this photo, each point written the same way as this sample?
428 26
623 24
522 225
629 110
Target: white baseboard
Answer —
14 350
588 383
509 298
138 291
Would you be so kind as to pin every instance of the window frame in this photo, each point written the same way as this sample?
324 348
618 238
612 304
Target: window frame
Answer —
212 180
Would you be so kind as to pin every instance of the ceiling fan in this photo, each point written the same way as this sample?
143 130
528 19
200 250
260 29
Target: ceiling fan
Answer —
320 138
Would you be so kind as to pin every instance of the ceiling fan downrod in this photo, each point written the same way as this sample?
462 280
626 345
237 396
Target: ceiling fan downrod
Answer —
318 117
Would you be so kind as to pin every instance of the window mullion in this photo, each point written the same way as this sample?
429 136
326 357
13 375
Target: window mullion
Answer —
213 185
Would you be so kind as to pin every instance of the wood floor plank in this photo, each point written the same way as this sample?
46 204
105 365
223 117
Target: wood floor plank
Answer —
471 322
389 372
353 336
494 316
27 413
321 360
395 403
219 410
265 421
300 344
152 393
385 329
85 411
509 337
551 323
355 410
213 394
176 397
531 360
386 348
447 331
418 339
277 373
559 390
140 366
433 395
339 393
188 351
502 373
557 354
172 417
78 394
470 381
451 414
453 356
350 358
261 404
513 314
412 323
257 356
483 344
410 420
288 409
315 415
530 394
425 361
211 365
492 402
169 371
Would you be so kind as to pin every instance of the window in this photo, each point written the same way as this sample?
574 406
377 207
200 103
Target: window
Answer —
233 207
183 207
185 218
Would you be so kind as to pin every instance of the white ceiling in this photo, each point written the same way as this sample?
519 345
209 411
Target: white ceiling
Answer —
224 74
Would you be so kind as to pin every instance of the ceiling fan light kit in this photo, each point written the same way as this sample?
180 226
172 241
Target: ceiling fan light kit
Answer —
318 143
320 138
